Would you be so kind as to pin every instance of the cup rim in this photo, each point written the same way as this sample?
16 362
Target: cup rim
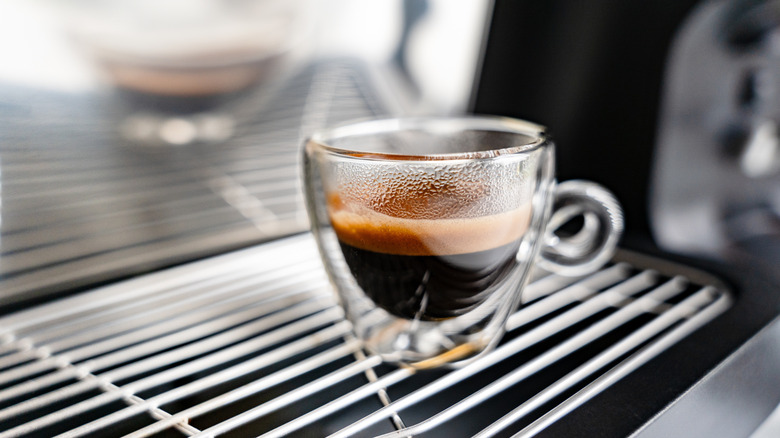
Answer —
537 132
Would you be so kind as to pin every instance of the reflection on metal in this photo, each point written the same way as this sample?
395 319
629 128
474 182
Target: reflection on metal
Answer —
761 155
252 343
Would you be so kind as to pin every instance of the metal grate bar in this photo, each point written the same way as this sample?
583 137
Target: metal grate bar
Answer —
341 402
320 384
579 291
259 330
571 345
157 311
289 331
297 308
595 304
721 303
394 378
370 389
664 322
146 328
155 412
287 351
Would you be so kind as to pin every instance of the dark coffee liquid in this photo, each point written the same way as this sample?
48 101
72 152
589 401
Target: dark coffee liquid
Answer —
420 267
429 287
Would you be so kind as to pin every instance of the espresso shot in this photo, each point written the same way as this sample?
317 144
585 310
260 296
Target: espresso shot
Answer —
429 229
427 269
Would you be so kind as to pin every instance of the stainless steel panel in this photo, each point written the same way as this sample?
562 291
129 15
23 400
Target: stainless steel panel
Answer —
81 205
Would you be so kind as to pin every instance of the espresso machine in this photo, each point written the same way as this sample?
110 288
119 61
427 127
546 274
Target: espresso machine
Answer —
665 108
157 275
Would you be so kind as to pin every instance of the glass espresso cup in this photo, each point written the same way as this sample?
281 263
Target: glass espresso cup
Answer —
429 228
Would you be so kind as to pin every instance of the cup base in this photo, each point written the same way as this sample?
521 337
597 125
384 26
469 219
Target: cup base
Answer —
411 344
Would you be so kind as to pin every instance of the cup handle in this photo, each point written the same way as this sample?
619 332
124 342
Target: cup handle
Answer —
587 249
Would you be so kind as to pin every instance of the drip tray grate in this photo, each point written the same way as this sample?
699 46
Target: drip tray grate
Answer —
252 343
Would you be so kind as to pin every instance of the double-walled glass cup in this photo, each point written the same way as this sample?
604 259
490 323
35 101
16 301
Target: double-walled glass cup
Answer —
429 228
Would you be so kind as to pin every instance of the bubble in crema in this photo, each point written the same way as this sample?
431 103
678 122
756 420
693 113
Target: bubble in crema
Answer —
426 191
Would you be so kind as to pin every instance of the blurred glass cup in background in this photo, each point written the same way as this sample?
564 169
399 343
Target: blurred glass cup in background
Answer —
179 70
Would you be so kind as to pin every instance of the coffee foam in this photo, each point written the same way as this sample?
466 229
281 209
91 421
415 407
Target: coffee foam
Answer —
429 190
367 229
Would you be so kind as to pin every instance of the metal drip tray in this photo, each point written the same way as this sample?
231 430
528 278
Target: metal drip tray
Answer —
81 205
252 343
